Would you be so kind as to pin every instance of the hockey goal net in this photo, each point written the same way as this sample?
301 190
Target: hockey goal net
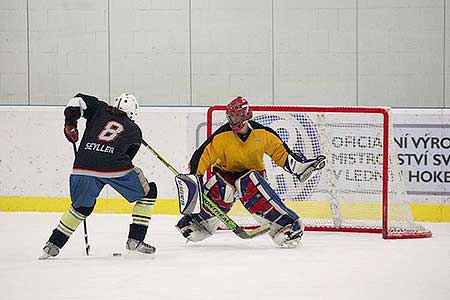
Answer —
359 190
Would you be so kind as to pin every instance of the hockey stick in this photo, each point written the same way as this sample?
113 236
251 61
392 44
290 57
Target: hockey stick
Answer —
86 241
214 209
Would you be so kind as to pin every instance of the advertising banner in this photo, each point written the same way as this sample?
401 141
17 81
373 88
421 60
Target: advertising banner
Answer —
422 139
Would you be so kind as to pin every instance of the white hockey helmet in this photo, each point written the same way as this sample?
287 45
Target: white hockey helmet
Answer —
128 104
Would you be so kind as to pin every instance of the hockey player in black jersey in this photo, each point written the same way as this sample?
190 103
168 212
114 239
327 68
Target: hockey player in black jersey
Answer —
110 142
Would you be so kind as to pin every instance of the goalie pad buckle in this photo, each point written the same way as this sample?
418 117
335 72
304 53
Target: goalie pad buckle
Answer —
189 193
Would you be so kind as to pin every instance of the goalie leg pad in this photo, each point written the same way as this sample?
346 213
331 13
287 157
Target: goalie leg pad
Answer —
255 201
197 227
189 193
259 198
221 192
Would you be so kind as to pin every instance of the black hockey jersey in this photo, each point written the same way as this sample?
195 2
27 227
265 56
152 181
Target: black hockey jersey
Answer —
110 140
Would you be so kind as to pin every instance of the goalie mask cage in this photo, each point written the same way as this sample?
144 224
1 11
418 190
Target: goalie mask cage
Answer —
359 190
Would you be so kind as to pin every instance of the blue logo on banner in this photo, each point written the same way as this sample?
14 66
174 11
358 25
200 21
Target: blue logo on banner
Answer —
300 134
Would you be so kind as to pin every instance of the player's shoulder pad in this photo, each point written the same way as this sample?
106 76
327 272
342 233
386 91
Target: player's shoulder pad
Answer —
256 125
224 128
85 96
131 125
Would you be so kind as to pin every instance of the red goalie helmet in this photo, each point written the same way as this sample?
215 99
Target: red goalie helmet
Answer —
238 112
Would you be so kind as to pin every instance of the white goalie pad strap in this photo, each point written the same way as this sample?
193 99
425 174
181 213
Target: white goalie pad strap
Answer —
189 193
227 190
241 188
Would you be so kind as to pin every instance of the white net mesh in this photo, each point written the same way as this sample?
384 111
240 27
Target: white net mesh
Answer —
347 195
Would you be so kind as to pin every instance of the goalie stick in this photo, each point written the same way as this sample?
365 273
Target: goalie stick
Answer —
214 209
86 240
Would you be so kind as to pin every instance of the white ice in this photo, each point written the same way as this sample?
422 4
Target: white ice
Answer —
327 266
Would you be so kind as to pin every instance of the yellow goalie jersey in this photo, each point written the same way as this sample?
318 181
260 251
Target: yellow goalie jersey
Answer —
235 154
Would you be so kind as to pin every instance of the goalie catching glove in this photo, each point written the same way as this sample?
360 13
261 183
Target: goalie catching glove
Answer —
302 167
189 193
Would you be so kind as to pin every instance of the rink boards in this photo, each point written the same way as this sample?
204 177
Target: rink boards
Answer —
307 209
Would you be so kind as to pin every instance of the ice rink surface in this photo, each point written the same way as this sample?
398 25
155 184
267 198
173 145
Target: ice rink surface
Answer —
327 266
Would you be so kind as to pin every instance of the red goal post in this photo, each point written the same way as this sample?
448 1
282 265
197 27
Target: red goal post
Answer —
360 189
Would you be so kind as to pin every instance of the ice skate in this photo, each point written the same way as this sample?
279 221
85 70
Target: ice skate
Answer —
49 250
139 247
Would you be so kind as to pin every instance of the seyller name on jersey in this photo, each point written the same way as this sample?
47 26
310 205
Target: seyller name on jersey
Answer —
98 147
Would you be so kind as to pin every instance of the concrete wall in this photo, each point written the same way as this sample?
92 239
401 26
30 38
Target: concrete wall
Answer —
202 52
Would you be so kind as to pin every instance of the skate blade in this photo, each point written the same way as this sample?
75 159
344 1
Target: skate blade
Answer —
133 254
44 256
292 245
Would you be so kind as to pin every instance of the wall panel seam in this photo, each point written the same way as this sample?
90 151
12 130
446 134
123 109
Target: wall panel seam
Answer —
108 21
444 77
28 53
273 53
357 53
191 103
